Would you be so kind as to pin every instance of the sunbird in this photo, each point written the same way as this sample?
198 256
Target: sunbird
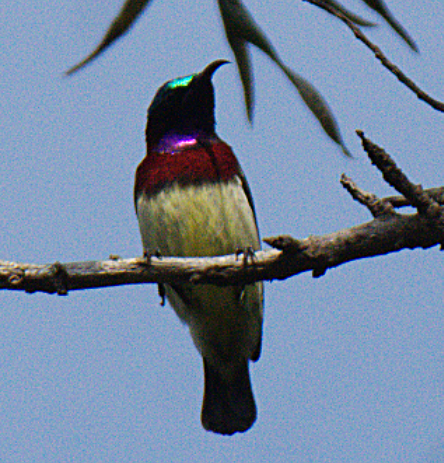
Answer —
192 200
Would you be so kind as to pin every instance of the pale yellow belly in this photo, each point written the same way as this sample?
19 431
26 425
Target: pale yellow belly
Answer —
198 220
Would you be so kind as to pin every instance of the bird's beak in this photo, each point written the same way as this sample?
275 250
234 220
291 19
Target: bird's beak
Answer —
201 81
208 72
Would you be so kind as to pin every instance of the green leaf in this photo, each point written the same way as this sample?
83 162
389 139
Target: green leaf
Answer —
380 7
351 16
319 107
124 20
243 61
241 30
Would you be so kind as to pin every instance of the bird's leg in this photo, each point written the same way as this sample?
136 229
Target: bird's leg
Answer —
148 254
161 292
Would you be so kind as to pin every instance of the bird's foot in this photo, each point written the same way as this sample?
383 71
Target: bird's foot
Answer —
148 254
248 253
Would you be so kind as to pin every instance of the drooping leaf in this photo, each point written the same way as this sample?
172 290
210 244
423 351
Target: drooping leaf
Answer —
123 21
243 61
351 16
380 7
241 30
318 106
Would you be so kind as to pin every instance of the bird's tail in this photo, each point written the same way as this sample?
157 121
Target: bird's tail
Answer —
228 404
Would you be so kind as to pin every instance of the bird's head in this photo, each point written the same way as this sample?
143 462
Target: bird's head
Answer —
184 105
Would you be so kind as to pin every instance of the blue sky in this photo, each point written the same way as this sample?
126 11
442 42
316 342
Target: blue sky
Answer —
352 366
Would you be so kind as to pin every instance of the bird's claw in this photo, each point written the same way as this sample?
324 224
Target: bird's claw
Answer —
148 254
248 253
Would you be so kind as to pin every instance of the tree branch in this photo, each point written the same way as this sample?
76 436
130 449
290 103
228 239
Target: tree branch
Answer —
388 232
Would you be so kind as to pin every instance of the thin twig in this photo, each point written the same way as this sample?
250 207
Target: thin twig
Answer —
377 207
436 104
